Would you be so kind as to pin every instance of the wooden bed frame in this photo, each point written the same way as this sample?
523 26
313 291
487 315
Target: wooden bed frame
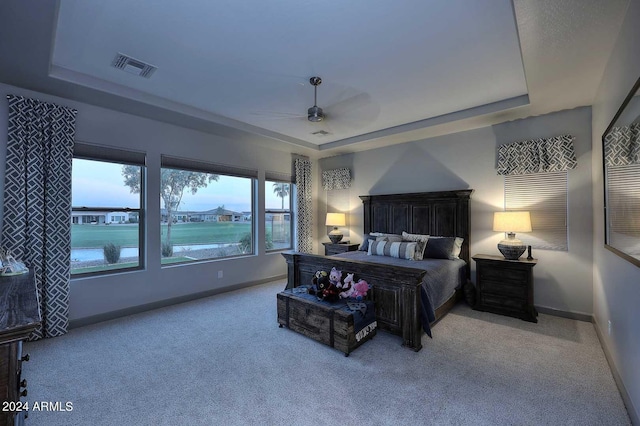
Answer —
396 290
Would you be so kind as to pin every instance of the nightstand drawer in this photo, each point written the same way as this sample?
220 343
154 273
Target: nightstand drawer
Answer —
507 289
331 249
504 275
492 301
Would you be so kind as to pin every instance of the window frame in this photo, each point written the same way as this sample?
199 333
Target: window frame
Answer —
291 215
185 164
121 158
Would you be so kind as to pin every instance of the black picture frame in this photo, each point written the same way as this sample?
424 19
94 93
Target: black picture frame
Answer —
618 120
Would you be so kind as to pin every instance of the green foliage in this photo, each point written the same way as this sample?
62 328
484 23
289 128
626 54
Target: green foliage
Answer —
167 249
245 243
111 253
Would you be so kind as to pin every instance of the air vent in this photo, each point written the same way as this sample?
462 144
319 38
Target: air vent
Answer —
133 66
320 133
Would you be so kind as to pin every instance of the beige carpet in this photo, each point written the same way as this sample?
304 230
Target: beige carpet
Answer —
223 361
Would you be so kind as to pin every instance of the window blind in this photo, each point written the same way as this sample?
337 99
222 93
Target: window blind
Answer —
206 167
278 176
545 196
93 152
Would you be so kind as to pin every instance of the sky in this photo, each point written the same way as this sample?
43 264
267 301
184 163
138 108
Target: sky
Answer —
101 184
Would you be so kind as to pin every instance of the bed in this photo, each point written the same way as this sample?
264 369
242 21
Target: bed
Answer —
403 290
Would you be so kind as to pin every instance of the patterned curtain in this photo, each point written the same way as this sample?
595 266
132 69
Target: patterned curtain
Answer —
622 145
336 179
304 224
537 156
37 202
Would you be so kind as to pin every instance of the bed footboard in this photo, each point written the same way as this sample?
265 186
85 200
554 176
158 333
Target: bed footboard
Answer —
396 291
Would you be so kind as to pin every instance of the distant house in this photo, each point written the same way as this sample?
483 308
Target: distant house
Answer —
213 215
98 218
217 215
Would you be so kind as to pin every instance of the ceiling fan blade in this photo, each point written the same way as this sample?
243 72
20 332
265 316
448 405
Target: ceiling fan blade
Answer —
277 114
352 113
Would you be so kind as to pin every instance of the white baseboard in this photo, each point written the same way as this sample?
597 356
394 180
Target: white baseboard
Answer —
631 409
565 314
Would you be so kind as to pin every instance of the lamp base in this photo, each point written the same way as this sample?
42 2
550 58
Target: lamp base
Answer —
511 248
335 238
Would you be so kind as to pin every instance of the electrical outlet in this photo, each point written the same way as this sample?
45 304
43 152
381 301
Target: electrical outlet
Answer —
220 276
609 328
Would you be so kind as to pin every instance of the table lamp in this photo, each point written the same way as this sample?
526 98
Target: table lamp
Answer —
511 222
335 220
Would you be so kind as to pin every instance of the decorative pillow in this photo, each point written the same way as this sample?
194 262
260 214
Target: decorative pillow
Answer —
365 242
392 249
418 238
443 248
384 234
390 237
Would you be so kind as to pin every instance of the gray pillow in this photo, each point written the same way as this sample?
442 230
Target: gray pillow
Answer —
443 248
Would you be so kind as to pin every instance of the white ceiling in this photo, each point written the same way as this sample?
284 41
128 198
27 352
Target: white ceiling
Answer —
392 71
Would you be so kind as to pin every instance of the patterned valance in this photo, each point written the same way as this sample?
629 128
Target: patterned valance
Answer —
537 156
336 179
622 145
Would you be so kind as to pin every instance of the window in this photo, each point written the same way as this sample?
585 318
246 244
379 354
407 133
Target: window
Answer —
278 223
107 214
545 196
206 211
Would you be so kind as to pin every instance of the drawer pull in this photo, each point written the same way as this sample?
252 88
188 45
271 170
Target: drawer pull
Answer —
25 358
23 383
23 393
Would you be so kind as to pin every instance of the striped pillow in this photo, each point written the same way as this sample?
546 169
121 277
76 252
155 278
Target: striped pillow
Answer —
404 250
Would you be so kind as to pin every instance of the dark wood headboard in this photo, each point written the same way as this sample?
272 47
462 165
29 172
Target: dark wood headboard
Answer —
443 213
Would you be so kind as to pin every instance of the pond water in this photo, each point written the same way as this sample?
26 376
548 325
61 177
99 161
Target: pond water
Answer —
88 254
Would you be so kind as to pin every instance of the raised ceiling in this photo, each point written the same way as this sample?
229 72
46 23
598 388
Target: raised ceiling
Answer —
391 72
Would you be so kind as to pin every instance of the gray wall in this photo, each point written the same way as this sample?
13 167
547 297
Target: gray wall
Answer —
467 160
101 295
616 281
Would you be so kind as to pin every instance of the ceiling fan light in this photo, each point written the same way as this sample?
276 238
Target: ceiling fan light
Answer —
315 114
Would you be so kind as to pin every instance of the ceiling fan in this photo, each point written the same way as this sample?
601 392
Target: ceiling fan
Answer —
353 110
315 113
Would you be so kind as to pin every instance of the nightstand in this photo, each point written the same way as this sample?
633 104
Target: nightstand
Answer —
341 247
505 286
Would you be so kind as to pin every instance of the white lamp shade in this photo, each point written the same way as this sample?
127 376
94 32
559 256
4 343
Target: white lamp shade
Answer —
336 219
512 222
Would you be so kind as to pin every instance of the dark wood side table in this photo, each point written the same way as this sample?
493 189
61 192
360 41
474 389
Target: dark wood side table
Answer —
341 247
505 286
19 317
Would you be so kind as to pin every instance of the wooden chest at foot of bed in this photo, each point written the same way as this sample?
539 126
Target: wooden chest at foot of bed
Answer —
342 325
